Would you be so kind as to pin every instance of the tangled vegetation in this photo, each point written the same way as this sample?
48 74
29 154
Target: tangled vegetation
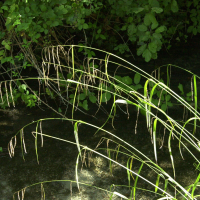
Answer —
81 85
147 25
73 77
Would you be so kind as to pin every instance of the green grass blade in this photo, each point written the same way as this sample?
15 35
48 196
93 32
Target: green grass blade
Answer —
195 185
136 180
154 139
128 172
76 136
146 105
170 151
195 102
157 183
165 187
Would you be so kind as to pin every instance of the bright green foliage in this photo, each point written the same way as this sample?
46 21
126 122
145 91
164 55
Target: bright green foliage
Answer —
146 25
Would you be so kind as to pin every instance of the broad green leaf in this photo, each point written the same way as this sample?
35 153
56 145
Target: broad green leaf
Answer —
141 49
2 52
180 87
2 34
17 22
61 10
27 9
85 26
164 107
157 9
131 29
160 29
194 31
71 96
127 80
154 25
137 10
189 94
69 76
174 6
142 28
152 47
85 105
124 28
92 98
1 149
152 18
81 96
79 104
170 104
137 78
22 86
167 97
155 102
55 23
12 7
103 37
147 19
144 37
118 77
147 55
59 110
4 7
154 55
157 36
43 7
23 26
136 87
7 47
99 31
154 3
106 96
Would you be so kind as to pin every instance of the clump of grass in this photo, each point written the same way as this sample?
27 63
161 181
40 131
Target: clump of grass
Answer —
78 84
